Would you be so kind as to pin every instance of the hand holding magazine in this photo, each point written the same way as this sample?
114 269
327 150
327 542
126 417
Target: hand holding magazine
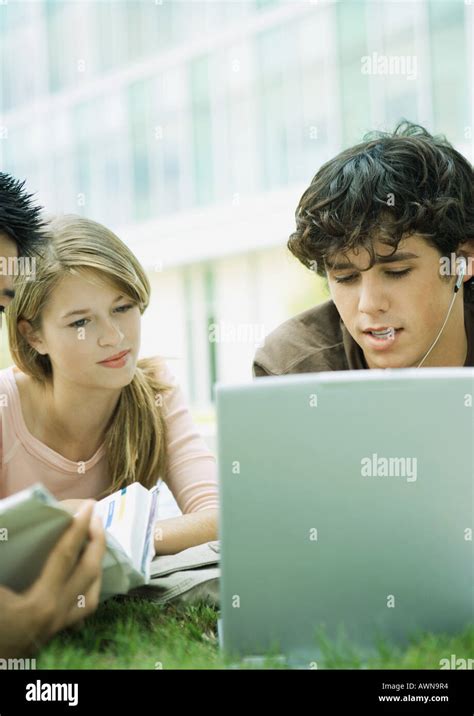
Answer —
31 522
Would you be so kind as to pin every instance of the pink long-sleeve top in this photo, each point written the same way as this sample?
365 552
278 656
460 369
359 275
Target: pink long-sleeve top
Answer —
191 474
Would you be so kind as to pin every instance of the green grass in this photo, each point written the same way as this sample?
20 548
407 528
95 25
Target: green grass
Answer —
133 633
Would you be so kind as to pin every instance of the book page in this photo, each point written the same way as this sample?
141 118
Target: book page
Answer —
126 516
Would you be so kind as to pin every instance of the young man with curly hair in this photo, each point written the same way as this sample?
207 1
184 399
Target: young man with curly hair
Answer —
389 223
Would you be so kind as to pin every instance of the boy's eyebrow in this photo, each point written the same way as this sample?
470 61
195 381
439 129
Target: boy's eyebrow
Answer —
393 258
85 310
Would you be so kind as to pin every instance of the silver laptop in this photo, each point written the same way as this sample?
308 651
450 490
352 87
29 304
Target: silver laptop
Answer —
346 510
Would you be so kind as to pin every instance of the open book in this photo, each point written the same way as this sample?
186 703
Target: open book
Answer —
31 522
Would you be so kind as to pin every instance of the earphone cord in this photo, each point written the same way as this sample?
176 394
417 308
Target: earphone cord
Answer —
442 329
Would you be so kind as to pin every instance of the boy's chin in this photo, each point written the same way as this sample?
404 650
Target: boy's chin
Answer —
383 362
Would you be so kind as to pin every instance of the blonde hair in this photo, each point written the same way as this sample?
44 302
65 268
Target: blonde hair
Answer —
136 434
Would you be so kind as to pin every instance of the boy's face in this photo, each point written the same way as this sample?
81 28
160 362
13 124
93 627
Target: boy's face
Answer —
408 294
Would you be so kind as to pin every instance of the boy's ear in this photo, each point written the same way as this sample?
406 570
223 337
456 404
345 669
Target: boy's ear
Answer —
467 250
31 336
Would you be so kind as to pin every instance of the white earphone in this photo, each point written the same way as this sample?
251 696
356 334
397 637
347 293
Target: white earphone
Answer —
461 274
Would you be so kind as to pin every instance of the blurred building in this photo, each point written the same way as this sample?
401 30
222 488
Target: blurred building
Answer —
192 128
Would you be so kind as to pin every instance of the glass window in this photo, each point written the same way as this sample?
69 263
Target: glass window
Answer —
111 25
19 84
452 93
140 118
266 4
354 85
274 70
211 320
201 130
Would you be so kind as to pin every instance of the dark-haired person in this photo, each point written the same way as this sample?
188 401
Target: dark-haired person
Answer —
390 224
20 231
29 619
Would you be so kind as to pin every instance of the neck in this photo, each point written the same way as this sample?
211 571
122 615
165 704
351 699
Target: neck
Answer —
75 418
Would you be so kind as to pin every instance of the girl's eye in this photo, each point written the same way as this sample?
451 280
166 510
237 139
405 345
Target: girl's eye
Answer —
82 321
79 324
392 274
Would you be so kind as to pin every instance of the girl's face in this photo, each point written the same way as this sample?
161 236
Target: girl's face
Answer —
86 323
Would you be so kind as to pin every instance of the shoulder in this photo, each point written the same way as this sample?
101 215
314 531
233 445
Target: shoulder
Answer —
153 364
9 393
8 382
310 341
6 375
158 372
174 401
23 394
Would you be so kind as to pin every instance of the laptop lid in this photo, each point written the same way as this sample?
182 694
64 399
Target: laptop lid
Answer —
346 509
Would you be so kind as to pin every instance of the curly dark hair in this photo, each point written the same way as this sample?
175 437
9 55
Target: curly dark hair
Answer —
389 186
20 219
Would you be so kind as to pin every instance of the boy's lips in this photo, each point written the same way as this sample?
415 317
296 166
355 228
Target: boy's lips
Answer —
382 341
